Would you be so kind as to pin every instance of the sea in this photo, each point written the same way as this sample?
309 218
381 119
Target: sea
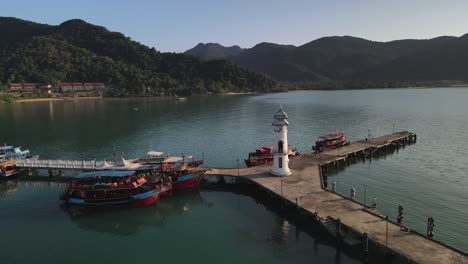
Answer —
428 179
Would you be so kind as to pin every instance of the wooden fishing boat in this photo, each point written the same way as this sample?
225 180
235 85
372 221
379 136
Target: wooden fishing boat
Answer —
114 188
330 141
265 155
185 181
182 171
8 168
8 156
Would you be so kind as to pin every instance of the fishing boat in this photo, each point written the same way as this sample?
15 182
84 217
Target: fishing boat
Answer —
185 181
177 98
182 171
265 155
8 168
134 188
8 156
330 141
166 186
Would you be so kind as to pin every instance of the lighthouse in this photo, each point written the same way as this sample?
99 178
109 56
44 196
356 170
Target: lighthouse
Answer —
281 159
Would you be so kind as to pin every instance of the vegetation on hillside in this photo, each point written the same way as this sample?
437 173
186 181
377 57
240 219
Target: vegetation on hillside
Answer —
76 51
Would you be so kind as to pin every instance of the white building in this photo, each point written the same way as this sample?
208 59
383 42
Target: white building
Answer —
281 159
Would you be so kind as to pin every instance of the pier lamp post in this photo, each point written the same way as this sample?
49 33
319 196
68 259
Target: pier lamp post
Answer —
281 178
386 232
365 191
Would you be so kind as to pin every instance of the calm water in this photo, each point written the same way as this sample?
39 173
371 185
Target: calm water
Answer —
427 179
200 227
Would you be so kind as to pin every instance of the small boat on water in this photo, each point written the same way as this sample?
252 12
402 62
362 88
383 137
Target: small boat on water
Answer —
8 156
177 98
182 171
265 155
134 188
330 141
8 168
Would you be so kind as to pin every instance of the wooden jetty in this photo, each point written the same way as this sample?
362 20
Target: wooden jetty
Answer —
305 188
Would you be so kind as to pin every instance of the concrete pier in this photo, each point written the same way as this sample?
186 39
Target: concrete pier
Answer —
305 188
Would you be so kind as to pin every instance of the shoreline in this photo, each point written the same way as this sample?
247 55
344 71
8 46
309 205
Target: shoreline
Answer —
381 88
33 100
238 93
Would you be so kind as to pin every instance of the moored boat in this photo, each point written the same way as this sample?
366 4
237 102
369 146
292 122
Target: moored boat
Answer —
8 156
182 171
114 188
184 181
330 141
11 152
8 168
265 155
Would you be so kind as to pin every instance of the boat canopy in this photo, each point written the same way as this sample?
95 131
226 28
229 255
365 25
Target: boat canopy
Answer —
155 153
332 136
6 147
177 159
105 174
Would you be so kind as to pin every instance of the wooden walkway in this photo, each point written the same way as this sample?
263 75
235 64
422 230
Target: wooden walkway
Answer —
306 185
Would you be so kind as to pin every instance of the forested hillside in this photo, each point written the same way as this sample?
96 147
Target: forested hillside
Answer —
76 51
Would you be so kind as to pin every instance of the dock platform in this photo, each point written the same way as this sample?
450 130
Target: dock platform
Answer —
305 188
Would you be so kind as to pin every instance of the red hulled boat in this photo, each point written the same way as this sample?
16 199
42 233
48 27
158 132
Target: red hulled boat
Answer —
265 155
181 171
330 141
114 188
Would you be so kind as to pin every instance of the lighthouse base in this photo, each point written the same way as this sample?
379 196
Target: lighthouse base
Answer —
281 172
280 165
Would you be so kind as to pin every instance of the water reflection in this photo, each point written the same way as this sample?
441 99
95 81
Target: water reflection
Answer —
8 186
126 220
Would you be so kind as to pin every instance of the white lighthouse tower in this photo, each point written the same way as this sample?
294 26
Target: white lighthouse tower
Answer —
281 159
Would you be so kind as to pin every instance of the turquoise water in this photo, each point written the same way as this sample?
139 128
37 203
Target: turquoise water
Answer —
195 227
427 179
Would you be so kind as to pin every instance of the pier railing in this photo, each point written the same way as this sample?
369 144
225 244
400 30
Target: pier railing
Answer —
63 164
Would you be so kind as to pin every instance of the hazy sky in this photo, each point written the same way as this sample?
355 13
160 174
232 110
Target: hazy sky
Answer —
179 25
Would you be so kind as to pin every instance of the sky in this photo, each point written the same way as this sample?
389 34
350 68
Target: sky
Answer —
176 25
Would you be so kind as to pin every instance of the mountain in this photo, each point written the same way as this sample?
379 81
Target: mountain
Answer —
443 62
212 51
76 51
350 58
